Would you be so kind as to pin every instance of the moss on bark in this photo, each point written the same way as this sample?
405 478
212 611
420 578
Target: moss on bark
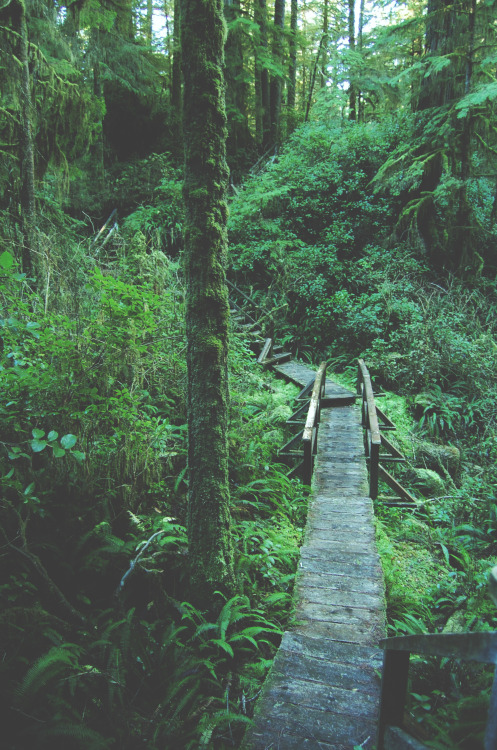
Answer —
207 309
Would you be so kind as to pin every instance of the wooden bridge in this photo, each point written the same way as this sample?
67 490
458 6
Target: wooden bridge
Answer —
323 690
336 682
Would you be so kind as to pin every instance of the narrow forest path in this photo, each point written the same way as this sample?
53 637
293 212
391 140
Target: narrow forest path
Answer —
323 689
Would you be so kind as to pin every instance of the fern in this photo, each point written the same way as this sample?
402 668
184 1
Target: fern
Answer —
56 662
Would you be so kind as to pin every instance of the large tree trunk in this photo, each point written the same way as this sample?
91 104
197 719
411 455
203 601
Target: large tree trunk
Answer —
28 209
276 80
207 310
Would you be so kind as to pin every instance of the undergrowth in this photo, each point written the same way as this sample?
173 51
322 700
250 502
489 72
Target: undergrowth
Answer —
100 646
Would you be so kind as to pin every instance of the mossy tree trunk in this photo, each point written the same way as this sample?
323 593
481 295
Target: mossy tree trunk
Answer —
207 310
28 209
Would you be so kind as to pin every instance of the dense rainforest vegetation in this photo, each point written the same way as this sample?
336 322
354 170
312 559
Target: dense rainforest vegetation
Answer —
362 155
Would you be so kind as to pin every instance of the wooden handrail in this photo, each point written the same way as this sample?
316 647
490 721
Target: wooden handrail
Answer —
479 647
374 439
245 296
309 436
370 423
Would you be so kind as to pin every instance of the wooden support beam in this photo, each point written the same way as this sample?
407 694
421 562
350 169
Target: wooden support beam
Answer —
393 451
394 485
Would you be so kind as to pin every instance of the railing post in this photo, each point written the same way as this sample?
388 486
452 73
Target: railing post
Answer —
374 460
491 730
309 437
393 691
307 471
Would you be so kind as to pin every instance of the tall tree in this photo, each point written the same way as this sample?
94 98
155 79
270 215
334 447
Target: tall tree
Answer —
352 91
27 155
262 108
236 83
292 71
276 89
176 73
207 310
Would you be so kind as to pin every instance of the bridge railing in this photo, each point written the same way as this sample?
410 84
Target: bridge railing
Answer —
370 425
309 437
302 447
375 422
479 647
253 312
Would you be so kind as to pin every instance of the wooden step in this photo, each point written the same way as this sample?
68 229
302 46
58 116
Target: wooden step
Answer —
279 358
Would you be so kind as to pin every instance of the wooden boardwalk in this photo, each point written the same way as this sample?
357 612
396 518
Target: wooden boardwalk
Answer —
323 688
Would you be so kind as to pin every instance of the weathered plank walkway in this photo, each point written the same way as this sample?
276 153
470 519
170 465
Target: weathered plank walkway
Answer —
301 375
323 688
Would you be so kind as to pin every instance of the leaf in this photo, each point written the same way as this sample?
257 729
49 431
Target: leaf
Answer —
78 455
6 260
68 441
58 451
225 646
52 435
38 434
38 445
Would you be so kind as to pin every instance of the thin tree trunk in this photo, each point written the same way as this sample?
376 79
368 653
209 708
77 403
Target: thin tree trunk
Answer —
352 92
236 94
149 22
313 79
360 99
207 310
28 208
462 238
324 56
292 71
276 87
176 72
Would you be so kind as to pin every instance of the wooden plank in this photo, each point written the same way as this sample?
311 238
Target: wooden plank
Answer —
265 351
321 697
289 719
283 357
